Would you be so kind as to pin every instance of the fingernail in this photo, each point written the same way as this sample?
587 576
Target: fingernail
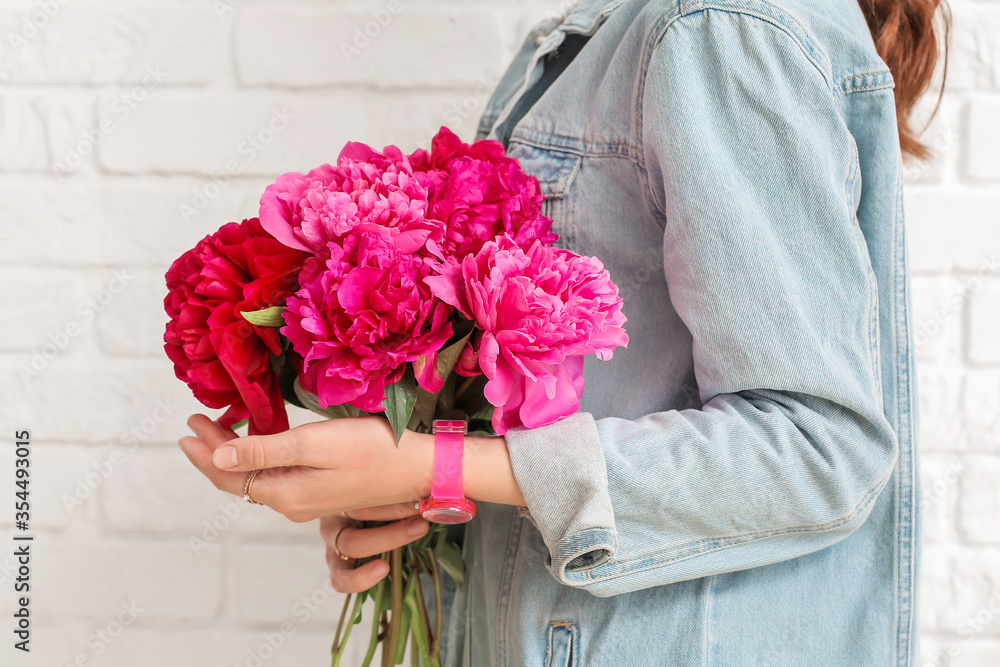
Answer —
225 457
416 525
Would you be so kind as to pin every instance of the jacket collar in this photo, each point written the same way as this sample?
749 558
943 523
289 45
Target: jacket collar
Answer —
587 15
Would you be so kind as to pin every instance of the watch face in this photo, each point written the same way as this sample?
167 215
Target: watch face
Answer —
447 511
448 515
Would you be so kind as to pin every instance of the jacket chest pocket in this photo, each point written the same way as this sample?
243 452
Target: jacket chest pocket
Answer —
562 650
555 170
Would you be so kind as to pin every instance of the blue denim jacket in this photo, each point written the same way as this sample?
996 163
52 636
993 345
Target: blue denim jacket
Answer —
740 485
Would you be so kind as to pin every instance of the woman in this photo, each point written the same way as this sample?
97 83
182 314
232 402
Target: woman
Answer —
739 487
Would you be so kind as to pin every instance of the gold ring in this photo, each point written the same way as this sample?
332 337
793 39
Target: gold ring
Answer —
337 537
246 488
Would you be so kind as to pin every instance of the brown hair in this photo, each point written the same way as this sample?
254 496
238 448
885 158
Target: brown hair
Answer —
904 36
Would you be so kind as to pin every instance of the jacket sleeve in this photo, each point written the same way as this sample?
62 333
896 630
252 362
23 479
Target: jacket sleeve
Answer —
757 176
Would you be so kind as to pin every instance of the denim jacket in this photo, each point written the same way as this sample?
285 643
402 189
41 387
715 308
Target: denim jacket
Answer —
740 484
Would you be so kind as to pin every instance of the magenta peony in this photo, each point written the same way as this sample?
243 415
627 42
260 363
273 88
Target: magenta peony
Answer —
306 211
224 359
364 310
541 310
479 193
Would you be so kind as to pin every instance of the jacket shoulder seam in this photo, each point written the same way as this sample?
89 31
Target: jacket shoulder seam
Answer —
766 12
760 9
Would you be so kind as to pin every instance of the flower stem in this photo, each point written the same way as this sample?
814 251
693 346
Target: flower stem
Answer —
436 578
338 645
418 609
350 625
462 387
424 618
396 605
376 621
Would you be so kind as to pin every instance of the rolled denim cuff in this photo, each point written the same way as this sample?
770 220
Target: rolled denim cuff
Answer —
563 476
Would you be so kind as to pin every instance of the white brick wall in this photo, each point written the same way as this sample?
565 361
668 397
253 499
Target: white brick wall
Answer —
129 130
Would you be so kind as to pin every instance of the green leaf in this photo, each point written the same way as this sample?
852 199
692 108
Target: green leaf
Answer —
241 423
457 415
449 557
400 398
267 317
311 402
448 357
446 397
424 408
485 414
471 398
287 380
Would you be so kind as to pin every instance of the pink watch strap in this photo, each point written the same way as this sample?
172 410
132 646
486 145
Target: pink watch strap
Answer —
449 442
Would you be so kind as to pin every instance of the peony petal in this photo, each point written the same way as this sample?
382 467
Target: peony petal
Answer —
540 409
425 371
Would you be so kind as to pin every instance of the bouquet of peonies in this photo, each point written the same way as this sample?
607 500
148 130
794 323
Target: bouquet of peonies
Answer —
417 286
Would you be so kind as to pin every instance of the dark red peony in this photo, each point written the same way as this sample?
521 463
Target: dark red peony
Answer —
224 359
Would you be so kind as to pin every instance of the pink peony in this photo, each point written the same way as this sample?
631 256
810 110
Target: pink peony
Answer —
541 310
364 310
225 360
479 193
306 211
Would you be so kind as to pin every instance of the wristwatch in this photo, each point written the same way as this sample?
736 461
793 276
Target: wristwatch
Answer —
447 502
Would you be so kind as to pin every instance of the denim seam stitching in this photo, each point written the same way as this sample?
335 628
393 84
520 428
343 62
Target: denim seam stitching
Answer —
528 139
650 196
871 280
870 87
905 576
506 580
651 562
707 626
897 556
844 86
537 139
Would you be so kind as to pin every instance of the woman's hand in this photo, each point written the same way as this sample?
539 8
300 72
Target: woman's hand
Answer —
345 471
343 536
316 469
340 531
